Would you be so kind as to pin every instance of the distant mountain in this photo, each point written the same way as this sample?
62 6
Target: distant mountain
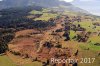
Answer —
12 3
44 3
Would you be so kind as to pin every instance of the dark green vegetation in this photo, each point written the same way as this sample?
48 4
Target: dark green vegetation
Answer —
17 18
6 35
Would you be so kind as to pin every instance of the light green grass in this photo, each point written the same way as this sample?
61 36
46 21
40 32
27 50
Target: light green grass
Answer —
94 39
34 64
90 46
98 28
87 25
91 53
72 34
5 61
46 16
45 10
69 13
35 12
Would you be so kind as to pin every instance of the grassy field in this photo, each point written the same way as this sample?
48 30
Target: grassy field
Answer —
72 34
34 64
89 54
74 45
46 16
87 25
5 61
35 12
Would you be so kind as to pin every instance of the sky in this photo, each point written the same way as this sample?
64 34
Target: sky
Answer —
92 6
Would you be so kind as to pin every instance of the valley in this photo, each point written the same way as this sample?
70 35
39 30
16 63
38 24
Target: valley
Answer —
35 35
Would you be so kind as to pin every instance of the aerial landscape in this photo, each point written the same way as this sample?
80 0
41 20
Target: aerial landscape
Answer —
48 33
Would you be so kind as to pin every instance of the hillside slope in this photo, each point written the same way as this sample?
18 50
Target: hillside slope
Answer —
44 3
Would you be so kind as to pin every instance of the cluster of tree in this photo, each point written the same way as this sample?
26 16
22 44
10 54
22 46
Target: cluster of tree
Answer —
97 44
66 34
77 28
59 30
67 31
76 18
97 24
6 35
82 37
16 18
